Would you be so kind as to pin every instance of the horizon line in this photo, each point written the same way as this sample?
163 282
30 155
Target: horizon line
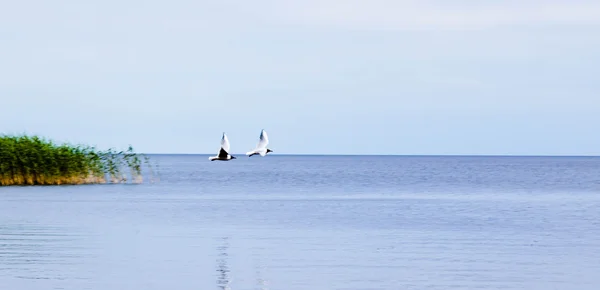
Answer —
395 155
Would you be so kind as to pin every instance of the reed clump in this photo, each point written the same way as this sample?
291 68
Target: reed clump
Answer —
32 160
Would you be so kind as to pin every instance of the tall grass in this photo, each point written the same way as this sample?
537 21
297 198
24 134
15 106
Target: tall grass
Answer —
32 160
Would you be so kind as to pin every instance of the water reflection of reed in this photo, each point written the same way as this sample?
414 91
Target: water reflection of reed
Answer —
223 279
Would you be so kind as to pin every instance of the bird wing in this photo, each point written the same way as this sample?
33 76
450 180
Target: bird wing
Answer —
222 154
263 140
224 145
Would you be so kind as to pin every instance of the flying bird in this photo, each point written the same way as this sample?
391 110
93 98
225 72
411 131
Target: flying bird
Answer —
261 147
224 152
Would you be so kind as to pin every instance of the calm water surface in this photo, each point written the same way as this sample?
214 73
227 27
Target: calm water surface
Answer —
313 222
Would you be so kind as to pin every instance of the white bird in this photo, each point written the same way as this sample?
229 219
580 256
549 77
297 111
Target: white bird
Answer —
261 147
224 152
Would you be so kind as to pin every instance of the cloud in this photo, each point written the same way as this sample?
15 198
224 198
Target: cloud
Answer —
423 14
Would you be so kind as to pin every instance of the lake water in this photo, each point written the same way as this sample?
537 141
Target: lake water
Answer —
313 222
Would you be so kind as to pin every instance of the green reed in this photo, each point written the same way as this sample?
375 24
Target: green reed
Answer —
32 160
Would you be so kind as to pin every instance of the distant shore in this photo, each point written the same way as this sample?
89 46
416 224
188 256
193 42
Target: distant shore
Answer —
33 160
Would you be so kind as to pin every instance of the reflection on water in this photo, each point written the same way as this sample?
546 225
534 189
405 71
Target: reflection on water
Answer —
224 280
260 281
222 267
313 223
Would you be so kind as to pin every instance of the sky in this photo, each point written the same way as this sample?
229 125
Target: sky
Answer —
320 76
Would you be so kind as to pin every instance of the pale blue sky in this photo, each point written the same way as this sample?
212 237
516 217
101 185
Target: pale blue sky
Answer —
321 76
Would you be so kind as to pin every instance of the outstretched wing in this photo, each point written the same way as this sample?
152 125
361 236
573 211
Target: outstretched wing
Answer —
223 154
264 140
225 143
